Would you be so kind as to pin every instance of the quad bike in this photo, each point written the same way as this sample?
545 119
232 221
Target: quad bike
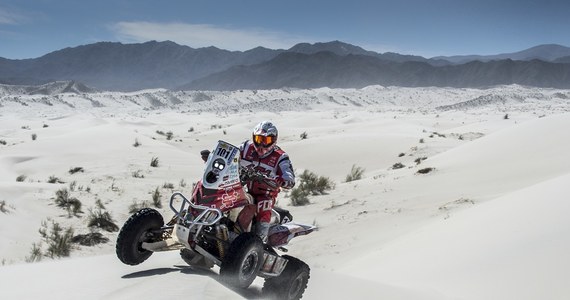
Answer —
215 226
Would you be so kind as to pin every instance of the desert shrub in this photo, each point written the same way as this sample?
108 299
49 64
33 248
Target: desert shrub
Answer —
182 183
506 117
59 243
3 207
299 197
425 170
169 135
168 185
401 154
114 188
154 162
53 179
136 206
137 174
21 178
71 204
156 198
355 174
75 170
419 160
3 142
101 219
310 184
35 254
136 144
99 204
89 239
421 141
34 136
58 239
304 135
397 165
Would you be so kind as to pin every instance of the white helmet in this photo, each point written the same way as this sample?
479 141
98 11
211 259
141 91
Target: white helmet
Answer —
264 135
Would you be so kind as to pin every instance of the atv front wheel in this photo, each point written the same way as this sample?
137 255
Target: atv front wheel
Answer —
292 282
243 260
138 229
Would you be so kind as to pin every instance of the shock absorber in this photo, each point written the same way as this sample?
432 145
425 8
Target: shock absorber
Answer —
222 235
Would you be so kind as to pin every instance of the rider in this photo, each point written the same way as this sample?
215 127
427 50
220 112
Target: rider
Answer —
262 154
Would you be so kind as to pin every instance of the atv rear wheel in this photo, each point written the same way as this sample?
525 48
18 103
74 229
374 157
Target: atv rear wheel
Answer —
138 229
243 260
292 282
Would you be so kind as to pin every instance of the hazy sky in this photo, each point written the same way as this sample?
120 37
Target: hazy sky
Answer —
32 28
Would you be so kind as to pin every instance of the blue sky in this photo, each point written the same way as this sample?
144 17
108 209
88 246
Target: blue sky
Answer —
32 28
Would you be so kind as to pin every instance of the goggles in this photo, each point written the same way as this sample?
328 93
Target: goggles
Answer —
264 141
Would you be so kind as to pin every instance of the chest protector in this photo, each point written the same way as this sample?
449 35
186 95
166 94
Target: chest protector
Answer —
268 165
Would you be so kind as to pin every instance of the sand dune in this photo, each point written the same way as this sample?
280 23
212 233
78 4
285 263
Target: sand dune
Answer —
488 222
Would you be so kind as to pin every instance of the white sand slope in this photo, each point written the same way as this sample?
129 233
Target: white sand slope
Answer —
512 247
488 222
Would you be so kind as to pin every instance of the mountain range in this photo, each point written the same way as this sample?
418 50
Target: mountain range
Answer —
128 67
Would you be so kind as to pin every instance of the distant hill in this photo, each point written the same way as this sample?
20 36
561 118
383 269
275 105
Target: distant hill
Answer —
125 67
563 60
52 88
356 71
129 67
549 53
342 49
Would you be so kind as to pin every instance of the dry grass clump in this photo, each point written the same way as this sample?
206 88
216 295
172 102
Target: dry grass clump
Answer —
64 200
89 239
397 165
100 218
75 170
136 206
57 240
425 170
156 198
310 184
355 173
154 162
137 174
53 179
4 208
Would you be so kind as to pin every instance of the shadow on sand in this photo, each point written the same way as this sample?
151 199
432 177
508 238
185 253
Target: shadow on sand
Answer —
252 292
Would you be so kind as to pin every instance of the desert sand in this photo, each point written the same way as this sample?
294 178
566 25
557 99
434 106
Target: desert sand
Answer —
488 221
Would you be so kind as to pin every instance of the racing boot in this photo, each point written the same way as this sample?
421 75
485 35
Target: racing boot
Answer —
262 230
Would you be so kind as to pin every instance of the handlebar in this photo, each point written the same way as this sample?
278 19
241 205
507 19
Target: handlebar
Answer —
256 175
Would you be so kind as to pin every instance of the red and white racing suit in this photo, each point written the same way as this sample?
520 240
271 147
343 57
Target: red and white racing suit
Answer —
274 164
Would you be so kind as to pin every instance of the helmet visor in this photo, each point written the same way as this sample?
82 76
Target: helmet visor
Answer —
264 141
